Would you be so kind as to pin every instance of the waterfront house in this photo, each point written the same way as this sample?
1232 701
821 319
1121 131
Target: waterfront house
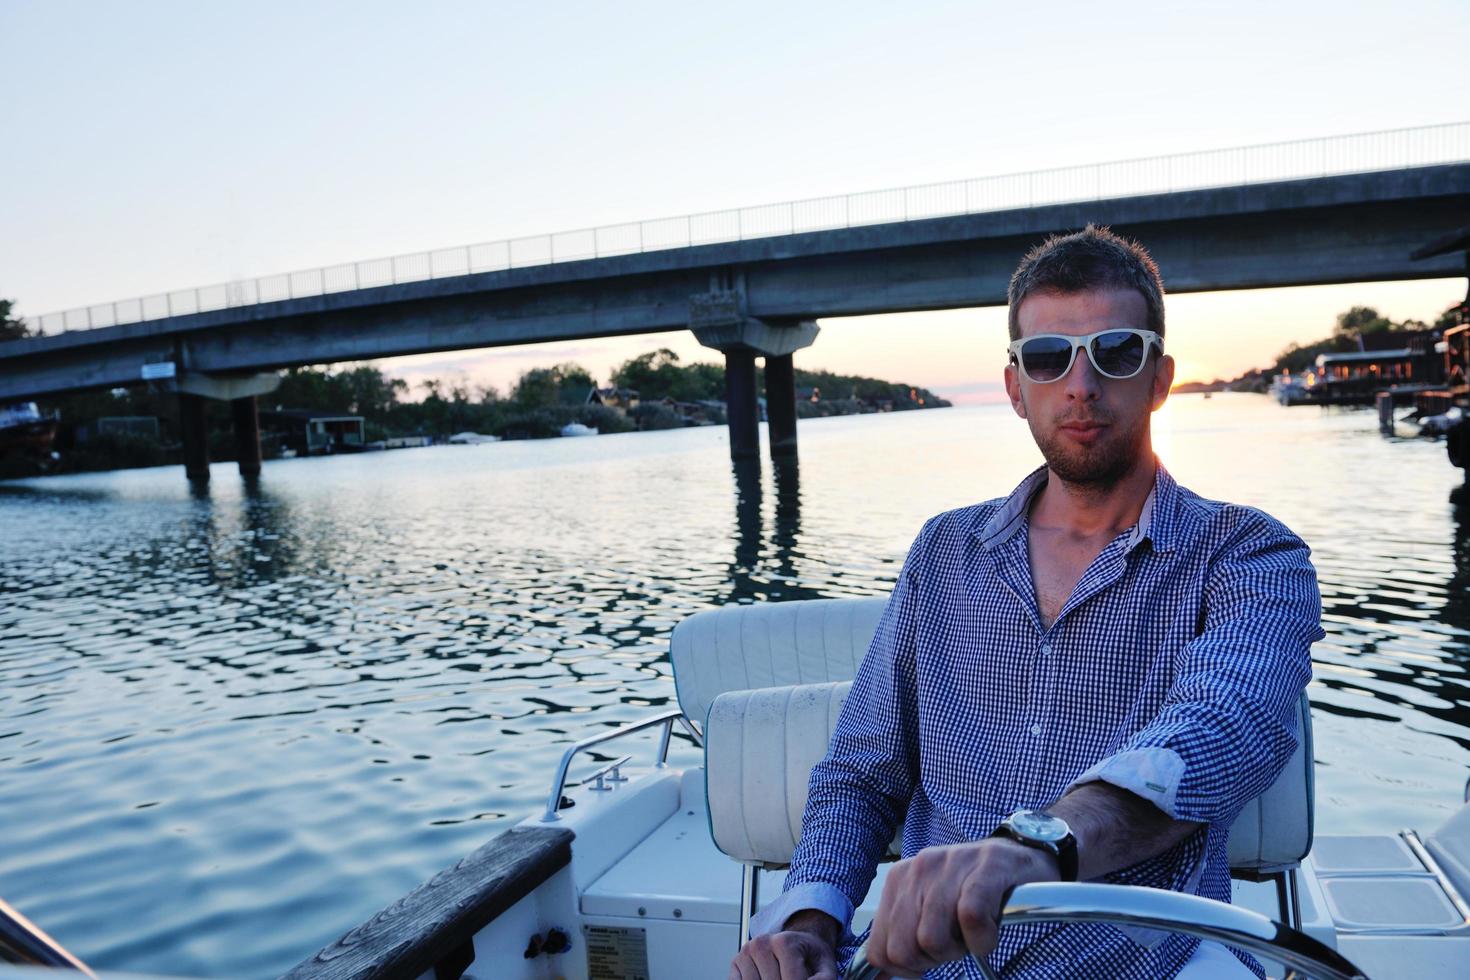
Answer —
1387 360
315 433
620 400
1357 375
695 413
133 426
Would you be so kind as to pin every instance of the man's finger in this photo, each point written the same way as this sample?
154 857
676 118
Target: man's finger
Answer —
878 935
902 955
976 912
891 945
768 967
741 968
936 933
791 955
825 963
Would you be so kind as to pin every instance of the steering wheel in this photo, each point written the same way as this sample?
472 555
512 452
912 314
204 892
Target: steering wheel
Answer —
1156 908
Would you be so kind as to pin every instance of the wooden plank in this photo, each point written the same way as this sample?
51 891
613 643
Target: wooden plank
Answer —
408 937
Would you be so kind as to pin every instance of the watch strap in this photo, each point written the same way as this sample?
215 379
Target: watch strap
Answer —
1064 850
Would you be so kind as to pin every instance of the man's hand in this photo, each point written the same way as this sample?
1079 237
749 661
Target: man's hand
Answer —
805 949
944 902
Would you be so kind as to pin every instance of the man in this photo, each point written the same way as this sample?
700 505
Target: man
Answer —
1087 679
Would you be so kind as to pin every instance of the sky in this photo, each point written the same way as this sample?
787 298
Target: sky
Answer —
163 145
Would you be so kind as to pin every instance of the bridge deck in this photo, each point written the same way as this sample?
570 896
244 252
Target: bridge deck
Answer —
1346 228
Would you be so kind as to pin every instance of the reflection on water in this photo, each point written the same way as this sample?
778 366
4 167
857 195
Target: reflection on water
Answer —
760 570
237 721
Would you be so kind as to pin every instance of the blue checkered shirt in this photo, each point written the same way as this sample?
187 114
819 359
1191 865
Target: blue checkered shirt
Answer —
1172 671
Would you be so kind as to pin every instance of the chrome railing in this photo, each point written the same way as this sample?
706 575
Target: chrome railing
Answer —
22 941
665 719
1390 149
1156 908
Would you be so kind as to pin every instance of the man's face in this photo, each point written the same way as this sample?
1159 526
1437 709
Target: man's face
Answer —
1091 429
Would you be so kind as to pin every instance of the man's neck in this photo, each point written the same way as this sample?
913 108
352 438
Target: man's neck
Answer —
1086 511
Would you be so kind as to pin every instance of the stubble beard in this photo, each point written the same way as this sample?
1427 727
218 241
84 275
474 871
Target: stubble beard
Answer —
1093 469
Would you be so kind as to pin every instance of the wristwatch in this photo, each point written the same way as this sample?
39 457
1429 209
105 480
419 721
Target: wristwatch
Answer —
1041 830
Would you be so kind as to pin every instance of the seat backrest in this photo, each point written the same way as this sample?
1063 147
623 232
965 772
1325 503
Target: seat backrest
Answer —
760 747
1274 830
770 644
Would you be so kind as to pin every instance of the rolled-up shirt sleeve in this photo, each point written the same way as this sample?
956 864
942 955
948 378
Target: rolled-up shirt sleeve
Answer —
1228 724
858 793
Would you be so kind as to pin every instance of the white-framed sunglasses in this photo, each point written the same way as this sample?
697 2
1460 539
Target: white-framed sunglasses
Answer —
1118 353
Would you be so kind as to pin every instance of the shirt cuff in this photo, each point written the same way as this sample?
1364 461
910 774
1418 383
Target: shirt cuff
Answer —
1152 773
808 895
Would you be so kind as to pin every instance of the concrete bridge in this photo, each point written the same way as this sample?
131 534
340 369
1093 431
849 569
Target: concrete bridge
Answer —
756 297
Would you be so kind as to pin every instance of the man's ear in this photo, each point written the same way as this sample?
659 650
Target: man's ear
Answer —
1013 390
1163 381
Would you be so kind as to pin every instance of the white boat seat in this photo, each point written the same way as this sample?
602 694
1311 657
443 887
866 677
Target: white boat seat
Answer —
1274 831
763 744
771 644
760 747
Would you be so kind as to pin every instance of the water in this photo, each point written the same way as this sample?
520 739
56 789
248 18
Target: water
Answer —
235 724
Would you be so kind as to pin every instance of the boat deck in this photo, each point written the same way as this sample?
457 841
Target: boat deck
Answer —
1367 896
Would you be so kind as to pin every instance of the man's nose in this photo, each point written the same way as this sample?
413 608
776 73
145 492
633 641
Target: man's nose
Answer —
1083 383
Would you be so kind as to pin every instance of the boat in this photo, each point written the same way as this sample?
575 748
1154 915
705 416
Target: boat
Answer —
23 428
1438 425
577 429
471 439
643 870
1289 391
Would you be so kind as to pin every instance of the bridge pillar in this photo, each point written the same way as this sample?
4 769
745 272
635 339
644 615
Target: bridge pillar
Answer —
781 405
742 408
240 390
247 434
719 321
195 435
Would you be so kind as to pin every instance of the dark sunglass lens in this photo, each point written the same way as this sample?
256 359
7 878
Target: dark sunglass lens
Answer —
1118 353
1046 358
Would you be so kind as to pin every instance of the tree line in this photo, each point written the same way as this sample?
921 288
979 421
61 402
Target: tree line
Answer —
1352 324
544 399
538 405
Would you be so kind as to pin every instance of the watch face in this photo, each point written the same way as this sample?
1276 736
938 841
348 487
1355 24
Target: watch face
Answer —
1038 825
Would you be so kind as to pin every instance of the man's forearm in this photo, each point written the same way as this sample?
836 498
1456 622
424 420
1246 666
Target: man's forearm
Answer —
1115 828
817 923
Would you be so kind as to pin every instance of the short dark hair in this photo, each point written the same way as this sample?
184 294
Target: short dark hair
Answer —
1093 258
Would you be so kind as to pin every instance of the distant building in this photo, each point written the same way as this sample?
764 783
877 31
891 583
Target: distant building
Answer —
1387 359
135 426
316 433
1363 371
620 400
691 413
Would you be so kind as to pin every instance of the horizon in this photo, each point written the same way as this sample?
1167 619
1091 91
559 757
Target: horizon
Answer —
970 335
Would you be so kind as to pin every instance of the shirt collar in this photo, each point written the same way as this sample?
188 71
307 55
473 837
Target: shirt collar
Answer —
1156 522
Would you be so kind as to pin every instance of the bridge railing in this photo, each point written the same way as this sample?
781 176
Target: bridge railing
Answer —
1391 149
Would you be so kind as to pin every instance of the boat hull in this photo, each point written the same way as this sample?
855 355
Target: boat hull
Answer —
28 437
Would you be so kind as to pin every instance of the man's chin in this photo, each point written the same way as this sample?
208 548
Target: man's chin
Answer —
1099 466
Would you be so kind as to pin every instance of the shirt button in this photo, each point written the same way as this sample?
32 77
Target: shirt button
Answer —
1035 729
1045 649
